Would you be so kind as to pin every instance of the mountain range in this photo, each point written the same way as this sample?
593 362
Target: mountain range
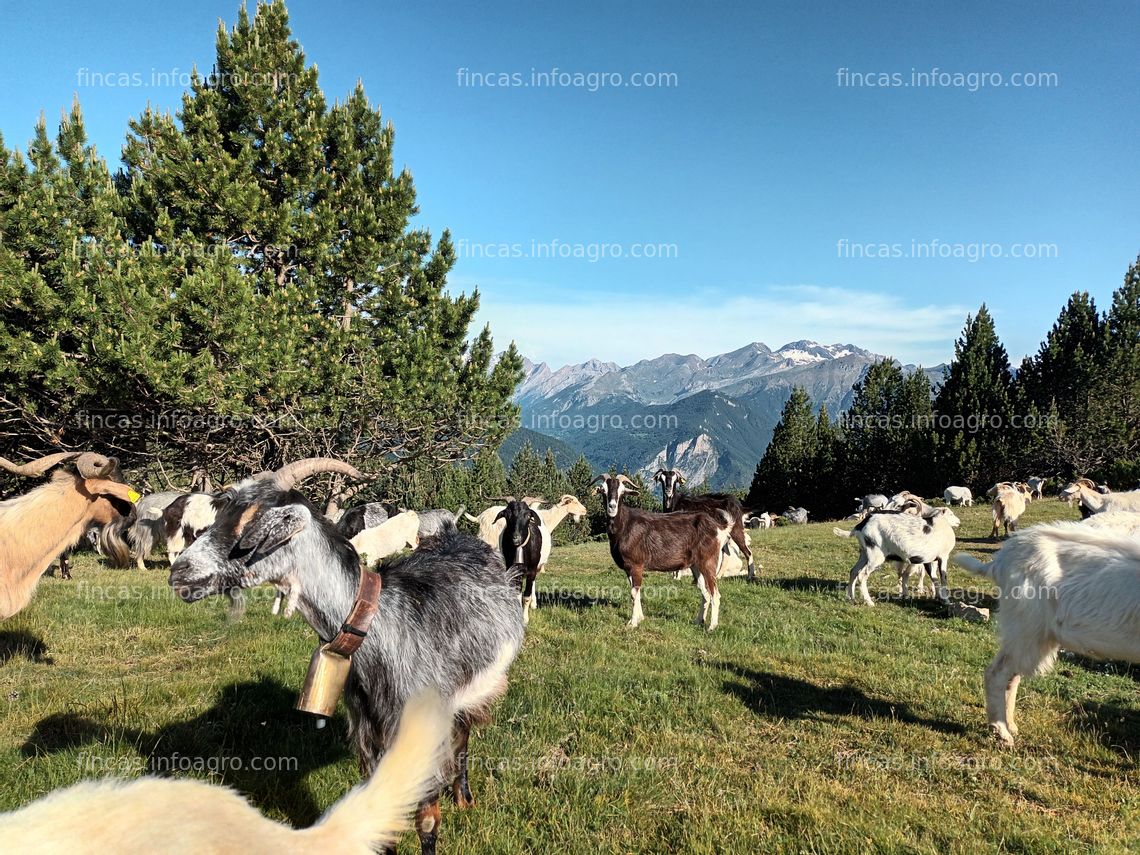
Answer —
709 418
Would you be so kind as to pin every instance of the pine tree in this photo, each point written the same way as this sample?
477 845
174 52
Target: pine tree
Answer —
1117 395
525 477
272 286
972 409
784 475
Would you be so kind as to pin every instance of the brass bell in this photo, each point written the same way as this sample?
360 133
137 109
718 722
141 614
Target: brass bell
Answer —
324 684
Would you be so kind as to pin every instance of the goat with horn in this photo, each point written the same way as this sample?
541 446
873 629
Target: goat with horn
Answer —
39 526
445 617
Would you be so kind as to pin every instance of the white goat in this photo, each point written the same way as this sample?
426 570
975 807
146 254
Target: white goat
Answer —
905 538
1008 506
958 496
1067 585
1127 522
377 543
163 815
1098 502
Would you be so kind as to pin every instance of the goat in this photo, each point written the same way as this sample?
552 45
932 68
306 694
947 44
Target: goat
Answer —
525 540
155 814
388 538
146 529
796 516
1097 502
39 526
899 501
763 520
709 503
1065 584
567 506
353 521
187 517
871 501
958 496
434 521
732 561
903 537
1007 508
448 615
1036 486
640 541
490 526
1123 521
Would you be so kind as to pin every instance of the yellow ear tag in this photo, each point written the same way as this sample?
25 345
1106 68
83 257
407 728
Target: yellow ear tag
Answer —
133 496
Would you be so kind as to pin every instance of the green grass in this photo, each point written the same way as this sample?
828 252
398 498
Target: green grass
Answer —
803 724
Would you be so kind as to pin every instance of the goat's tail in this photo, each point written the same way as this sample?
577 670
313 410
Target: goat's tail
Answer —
375 813
975 566
724 531
462 511
838 532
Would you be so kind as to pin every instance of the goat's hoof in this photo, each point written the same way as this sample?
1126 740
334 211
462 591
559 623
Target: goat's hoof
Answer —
1002 735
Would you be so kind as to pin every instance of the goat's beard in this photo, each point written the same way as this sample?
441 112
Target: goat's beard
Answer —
113 544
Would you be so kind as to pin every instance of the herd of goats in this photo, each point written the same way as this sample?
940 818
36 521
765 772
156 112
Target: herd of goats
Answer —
433 634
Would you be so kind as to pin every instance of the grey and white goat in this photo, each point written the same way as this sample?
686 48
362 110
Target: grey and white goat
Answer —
448 614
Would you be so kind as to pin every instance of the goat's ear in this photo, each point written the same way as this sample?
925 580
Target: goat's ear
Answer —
103 487
501 515
270 529
681 480
535 518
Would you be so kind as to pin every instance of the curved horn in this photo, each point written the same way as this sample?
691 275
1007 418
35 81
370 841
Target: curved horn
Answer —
629 482
298 470
35 468
596 480
90 465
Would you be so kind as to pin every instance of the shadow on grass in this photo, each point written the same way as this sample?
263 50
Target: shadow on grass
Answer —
812 584
251 740
1100 666
573 601
777 696
1117 725
18 643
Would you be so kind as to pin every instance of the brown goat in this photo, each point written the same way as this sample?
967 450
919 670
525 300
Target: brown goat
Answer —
640 541
37 527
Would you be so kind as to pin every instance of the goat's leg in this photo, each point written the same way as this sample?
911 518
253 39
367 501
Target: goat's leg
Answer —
460 789
64 568
427 825
714 602
737 536
1011 704
856 571
635 575
534 588
941 582
527 594
703 608
1001 681
904 579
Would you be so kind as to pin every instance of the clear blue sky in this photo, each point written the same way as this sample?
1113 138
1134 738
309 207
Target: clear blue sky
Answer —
748 171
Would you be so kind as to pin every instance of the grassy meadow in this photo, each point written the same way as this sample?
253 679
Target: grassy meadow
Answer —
803 724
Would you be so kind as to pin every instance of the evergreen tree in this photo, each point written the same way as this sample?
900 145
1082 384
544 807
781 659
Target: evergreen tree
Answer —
255 275
1117 397
973 408
785 475
826 498
525 476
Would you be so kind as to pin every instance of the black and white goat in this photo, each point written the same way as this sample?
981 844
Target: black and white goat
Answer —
710 503
524 540
187 517
906 538
641 540
448 613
